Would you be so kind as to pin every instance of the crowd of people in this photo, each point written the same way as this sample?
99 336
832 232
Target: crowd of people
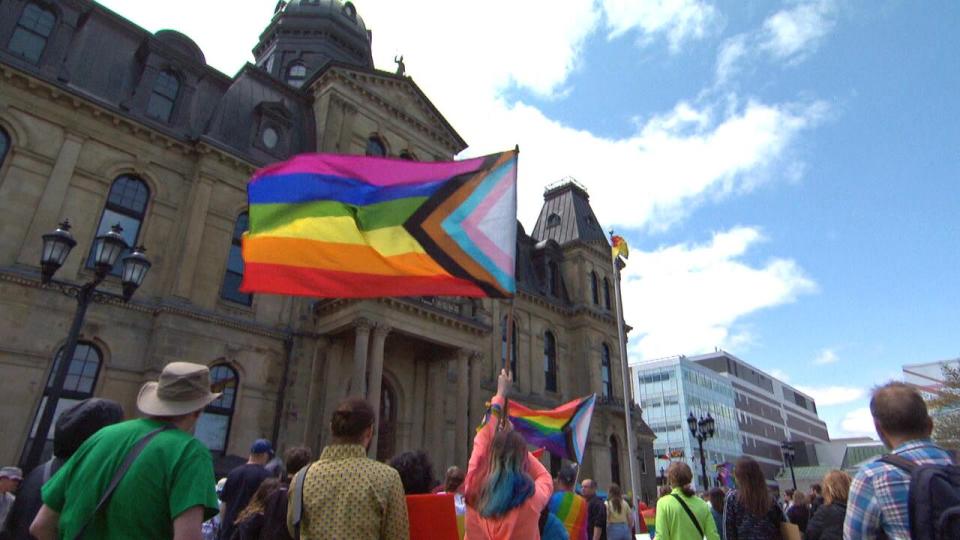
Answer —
150 478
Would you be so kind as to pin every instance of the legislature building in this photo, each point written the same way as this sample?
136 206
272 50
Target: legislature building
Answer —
102 122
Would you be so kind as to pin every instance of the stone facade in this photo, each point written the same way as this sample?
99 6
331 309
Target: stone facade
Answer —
90 112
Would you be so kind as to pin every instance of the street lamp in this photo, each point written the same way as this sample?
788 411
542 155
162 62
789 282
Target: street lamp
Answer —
702 429
786 447
107 249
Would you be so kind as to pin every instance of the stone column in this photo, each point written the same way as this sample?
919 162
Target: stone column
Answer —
51 201
436 401
314 391
358 384
463 402
192 234
380 333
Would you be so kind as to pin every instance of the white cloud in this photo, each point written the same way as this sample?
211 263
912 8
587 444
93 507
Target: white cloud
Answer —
826 356
826 396
689 298
679 20
780 374
857 422
730 54
795 32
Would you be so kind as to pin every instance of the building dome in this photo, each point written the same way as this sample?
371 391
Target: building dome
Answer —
343 12
305 35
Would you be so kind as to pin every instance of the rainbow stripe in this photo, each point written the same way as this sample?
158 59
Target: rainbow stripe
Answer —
562 431
329 225
571 509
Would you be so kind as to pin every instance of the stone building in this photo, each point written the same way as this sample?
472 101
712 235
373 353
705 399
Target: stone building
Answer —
102 122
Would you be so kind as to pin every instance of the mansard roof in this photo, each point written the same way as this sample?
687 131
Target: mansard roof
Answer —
566 215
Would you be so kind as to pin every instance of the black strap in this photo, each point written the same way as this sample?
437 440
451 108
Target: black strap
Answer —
899 462
300 479
119 474
686 509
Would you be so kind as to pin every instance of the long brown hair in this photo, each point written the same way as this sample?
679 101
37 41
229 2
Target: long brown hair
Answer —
836 487
751 486
680 476
258 502
615 494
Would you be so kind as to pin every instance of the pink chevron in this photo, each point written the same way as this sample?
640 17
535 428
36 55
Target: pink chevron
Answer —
471 225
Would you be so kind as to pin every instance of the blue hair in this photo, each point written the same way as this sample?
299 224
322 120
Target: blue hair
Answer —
507 485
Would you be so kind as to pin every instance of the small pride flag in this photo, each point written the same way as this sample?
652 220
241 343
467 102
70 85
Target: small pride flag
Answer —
562 431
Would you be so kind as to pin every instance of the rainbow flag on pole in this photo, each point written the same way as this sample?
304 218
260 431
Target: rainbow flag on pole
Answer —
562 431
330 225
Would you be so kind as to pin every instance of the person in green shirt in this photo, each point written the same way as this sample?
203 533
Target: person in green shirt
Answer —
673 520
167 492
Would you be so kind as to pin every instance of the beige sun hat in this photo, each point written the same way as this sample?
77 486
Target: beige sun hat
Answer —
183 388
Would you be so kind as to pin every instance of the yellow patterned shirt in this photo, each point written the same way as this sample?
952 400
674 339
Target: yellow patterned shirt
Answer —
348 496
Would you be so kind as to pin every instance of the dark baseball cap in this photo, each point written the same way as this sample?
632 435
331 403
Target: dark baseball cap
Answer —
261 446
567 475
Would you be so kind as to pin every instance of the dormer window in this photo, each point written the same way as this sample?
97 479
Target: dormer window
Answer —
296 75
350 10
32 32
164 96
553 220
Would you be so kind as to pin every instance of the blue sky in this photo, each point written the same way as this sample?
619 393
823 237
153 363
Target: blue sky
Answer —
785 172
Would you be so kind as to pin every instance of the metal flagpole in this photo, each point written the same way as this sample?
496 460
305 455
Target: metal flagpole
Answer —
631 452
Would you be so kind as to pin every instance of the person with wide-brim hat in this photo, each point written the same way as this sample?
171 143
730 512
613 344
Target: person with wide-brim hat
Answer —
167 491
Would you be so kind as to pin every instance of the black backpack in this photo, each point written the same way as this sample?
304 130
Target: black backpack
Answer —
934 507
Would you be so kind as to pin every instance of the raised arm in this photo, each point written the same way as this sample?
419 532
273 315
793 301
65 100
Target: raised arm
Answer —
481 443
542 482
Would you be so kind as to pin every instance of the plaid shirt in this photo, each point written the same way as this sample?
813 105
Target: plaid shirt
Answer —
880 493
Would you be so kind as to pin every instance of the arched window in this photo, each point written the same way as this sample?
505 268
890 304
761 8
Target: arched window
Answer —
606 382
594 288
296 75
503 347
213 428
387 421
614 460
33 29
553 279
606 292
234 272
375 147
550 361
126 206
4 145
408 155
553 220
164 96
81 379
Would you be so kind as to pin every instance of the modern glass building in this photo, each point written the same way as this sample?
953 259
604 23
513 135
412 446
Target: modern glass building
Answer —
669 390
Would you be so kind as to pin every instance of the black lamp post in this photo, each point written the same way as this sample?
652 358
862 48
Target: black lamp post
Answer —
786 447
107 249
702 429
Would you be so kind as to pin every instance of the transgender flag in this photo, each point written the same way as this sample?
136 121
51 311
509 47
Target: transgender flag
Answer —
562 431
330 225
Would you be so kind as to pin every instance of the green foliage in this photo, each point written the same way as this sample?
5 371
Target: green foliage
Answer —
945 408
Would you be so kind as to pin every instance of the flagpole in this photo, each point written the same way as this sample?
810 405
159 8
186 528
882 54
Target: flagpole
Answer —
631 453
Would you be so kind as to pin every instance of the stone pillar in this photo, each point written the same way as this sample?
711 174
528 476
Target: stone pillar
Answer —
436 401
380 333
51 201
311 432
332 391
196 217
463 411
358 384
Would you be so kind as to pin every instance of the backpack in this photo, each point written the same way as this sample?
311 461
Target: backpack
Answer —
934 502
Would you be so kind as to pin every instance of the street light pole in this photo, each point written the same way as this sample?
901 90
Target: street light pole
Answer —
788 454
107 249
702 429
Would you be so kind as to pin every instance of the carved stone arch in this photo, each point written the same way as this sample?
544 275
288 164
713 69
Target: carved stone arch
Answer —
15 129
158 189
376 135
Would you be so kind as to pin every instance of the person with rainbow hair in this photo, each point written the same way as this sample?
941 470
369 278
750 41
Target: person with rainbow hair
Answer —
506 487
